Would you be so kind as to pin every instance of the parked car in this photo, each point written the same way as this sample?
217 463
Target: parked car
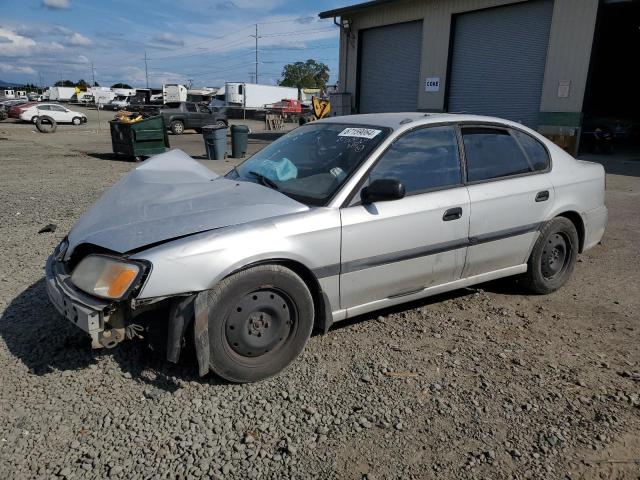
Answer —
337 218
179 116
59 113
16 110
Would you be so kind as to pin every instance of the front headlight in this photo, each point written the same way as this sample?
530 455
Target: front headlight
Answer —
106 277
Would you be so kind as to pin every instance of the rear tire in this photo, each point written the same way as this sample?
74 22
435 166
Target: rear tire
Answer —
259 321
553 257
177 127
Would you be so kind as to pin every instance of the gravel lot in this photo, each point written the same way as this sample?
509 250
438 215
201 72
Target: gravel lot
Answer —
480 383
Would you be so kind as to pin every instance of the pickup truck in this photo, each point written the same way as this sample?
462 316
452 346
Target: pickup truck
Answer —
179 116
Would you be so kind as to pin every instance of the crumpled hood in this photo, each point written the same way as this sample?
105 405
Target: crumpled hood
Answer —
171 195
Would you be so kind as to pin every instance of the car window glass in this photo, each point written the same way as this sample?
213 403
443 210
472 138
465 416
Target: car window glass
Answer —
536 152
313 161
191 107
492 153
57 108
44 107
422 160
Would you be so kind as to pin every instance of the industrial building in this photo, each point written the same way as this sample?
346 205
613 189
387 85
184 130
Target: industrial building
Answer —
559 66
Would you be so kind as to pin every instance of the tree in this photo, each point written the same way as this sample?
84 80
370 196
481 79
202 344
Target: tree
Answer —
95 84
82 85
121 85
64 83
309 74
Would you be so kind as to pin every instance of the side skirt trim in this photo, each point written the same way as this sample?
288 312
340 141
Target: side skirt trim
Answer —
427 292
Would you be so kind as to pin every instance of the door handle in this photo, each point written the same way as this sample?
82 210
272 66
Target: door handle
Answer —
452 214
542 196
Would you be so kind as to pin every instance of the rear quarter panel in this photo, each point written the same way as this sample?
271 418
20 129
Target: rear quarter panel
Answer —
579 185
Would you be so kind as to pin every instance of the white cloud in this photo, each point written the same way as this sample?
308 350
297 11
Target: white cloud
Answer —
56 4
7 68
169 39
15 45
78 40
83 59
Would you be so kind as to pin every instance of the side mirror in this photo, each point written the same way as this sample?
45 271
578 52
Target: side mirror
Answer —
381 190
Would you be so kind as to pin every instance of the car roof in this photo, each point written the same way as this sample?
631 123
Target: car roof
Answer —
397 120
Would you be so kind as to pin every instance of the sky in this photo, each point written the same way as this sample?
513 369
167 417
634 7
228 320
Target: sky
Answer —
193 42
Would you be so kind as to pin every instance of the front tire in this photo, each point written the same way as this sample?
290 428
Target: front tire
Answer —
259 321
553 257
177 127
76 121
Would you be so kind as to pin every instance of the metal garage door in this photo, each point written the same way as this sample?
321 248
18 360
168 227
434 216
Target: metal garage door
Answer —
390 68
498 61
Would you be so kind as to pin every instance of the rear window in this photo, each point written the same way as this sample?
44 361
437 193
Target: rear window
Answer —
492 153
536 152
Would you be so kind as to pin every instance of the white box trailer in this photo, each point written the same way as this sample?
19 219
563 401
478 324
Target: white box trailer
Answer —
124 92
102 95
172 92
9 94
253 96
61 94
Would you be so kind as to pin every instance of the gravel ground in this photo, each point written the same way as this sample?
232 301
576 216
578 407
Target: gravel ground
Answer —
480 383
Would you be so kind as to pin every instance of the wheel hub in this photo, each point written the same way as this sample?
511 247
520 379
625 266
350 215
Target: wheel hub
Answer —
554 256
259 323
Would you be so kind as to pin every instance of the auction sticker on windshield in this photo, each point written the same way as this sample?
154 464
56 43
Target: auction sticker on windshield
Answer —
359 132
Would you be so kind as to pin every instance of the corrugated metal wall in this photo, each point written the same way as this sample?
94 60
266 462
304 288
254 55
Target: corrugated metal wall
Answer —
390 68
498 61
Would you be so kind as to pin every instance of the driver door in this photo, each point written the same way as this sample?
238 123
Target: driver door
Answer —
395 248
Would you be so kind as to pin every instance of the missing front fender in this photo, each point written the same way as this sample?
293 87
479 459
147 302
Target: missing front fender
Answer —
180 316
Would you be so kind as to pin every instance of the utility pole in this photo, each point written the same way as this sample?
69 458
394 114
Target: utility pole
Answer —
93 75
256 37
146 70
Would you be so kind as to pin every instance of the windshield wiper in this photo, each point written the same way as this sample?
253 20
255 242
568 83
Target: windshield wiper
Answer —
266 181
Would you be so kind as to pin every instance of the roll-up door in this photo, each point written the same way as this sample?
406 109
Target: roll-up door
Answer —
498 61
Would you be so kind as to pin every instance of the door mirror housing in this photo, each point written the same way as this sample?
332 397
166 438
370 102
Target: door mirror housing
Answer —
382 190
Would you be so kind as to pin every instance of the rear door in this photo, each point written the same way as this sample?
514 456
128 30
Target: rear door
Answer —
59 114
510 193
193 117
393 248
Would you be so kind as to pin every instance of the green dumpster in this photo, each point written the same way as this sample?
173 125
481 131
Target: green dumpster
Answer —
140 139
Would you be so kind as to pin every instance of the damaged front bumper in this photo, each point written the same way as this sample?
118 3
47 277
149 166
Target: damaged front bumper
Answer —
102 320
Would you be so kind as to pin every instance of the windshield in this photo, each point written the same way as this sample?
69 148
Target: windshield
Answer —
312 162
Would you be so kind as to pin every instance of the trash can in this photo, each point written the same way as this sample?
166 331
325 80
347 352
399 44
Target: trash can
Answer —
239 140
215 141
143 138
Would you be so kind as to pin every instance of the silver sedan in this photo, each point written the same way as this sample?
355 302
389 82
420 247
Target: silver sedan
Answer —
337 218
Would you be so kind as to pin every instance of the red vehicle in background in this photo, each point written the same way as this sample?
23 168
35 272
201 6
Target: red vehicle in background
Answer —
288 108
16 110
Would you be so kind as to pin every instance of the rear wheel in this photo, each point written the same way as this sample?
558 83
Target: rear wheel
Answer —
259 321
553 257
177 127
34 119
